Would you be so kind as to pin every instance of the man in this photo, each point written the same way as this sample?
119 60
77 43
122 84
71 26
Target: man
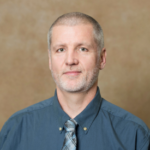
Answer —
77 117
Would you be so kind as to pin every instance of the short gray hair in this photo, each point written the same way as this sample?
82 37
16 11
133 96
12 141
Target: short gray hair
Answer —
75 18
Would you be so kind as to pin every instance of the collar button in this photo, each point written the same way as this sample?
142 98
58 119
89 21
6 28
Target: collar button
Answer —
60 128
84 128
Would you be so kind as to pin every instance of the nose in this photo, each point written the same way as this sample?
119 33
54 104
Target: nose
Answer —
71 58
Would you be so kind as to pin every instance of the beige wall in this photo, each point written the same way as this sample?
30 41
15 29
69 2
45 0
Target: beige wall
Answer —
25 78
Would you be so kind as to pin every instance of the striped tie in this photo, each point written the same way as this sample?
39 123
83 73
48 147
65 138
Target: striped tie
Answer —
70 137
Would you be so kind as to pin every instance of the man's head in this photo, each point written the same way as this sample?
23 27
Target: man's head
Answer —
76 18
76 52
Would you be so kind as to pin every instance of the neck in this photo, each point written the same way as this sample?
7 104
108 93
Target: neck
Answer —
74 103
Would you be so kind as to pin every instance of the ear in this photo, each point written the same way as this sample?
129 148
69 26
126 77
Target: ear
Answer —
49 56
102 59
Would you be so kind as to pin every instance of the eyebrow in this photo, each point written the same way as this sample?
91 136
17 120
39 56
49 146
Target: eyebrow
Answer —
76 45
58 45
82 44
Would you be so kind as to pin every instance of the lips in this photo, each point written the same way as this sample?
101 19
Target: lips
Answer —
73 73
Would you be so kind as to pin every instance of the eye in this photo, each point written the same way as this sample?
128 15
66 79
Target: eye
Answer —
60 50
83 49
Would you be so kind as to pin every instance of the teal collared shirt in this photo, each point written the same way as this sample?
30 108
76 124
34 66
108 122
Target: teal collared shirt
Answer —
101 126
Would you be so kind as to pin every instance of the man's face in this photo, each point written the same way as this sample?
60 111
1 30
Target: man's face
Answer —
73 57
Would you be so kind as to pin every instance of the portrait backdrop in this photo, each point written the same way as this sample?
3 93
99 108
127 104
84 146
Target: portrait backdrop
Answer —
25 78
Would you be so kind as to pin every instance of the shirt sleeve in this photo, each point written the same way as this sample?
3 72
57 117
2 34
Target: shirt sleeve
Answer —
146 145
2 137
7 134
3 134
2 140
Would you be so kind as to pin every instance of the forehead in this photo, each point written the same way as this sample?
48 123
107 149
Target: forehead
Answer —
76 33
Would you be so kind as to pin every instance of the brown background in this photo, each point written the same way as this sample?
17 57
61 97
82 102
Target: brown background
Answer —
25 78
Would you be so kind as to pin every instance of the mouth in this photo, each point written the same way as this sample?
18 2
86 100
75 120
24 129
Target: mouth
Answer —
72 73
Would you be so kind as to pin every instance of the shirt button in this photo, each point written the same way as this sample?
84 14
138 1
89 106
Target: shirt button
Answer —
84 128
60 128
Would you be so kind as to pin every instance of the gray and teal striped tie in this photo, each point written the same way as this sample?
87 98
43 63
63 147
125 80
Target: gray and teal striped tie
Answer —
70 141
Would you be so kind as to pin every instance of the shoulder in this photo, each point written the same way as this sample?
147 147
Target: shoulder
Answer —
126 126
26 114
36 107
122 115
24 120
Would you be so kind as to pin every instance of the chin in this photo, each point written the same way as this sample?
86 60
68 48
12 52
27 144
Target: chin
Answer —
72 90
72 87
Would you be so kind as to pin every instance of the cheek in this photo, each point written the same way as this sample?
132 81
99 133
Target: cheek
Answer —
56 64
89 63
91 66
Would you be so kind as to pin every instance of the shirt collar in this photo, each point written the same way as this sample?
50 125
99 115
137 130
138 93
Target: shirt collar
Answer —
85 118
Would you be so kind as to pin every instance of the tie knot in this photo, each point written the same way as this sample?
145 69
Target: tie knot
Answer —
70 125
